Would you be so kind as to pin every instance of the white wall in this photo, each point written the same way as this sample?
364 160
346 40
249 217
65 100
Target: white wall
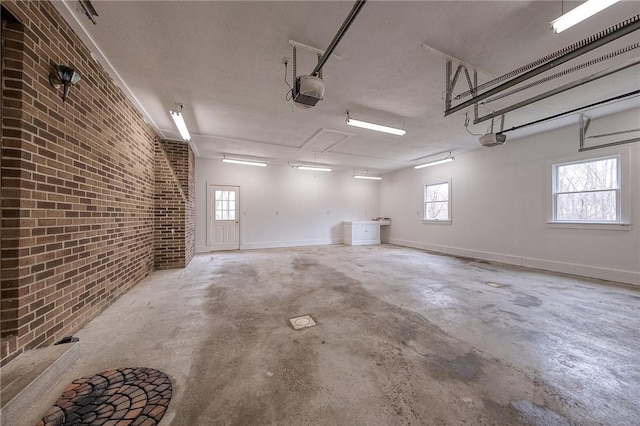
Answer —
501 205
311 205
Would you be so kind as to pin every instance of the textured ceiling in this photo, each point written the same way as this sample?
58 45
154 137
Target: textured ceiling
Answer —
224 62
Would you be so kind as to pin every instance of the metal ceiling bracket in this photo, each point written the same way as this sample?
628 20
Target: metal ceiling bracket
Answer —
551 61
584 126
564 88
452 81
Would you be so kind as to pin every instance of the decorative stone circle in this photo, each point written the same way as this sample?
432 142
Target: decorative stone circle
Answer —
126 396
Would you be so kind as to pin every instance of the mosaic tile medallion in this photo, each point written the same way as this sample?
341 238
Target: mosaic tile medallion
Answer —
126 396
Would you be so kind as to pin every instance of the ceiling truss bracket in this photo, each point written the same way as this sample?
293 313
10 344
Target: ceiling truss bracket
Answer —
537 67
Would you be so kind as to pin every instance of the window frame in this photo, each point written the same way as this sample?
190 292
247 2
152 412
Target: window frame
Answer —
449 203
620 192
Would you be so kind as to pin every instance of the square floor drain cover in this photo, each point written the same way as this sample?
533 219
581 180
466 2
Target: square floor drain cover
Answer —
302 322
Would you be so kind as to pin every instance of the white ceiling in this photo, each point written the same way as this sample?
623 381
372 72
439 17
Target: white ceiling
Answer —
224 62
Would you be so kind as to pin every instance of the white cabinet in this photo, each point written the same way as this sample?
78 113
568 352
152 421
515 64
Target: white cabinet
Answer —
361 232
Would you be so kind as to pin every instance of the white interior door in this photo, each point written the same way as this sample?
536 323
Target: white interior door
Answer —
223 222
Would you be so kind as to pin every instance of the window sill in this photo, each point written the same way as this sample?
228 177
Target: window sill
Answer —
593 225
443 222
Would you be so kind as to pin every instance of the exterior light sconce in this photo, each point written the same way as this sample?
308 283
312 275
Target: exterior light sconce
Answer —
89 10
64 76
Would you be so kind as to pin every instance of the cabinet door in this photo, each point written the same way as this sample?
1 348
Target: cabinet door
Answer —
367 232
361 232
373 232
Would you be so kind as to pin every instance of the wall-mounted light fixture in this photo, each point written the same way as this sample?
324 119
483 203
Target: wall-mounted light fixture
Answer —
372 126
314 168
244 162
180 124
89 10
64 76
579 14
433 163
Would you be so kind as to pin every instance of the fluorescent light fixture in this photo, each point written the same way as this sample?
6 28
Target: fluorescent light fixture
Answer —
367 177
313 168
579 14
180 124
433 163
372 126
245 162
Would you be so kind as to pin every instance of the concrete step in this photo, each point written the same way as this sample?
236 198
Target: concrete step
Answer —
27 378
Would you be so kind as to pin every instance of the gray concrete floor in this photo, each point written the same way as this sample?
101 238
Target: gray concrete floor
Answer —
403 337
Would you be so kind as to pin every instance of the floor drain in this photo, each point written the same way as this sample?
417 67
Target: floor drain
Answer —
302 322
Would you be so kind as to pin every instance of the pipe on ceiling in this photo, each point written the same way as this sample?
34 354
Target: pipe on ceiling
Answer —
551 117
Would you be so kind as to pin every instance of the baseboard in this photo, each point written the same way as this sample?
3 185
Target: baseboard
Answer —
626 277
281 244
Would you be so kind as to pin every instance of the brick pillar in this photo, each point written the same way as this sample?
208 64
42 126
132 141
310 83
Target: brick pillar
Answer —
174 207
16 217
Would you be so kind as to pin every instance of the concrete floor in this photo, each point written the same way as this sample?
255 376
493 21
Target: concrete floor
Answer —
403 337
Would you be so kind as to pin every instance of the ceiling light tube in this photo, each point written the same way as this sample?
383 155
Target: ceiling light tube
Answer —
579 14
313 168
367 177
433 163
245 162
376 127
180 124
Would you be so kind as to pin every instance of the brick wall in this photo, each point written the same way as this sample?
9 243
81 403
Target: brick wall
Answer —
174 238
77 186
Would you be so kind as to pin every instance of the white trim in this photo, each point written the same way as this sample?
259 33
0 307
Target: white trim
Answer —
615 226
449 202
282 244
210 216
622 191
616 275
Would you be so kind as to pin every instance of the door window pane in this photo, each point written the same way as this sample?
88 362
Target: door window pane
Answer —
225 205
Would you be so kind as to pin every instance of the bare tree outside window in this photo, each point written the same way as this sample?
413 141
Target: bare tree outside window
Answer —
436 201
587 191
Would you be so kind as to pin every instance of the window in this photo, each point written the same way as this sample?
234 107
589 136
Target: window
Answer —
587 191
437 202
225 202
